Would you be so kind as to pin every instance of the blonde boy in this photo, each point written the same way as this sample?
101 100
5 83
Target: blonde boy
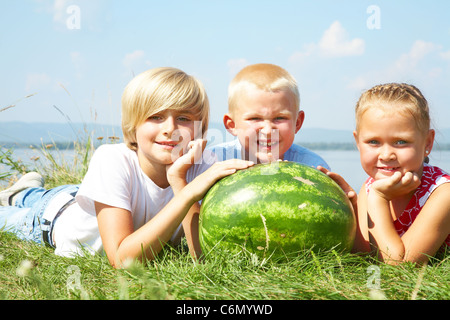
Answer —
138 195
264 116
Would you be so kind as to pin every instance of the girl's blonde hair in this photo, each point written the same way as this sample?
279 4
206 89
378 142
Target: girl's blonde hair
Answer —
399 98
263 76
159 89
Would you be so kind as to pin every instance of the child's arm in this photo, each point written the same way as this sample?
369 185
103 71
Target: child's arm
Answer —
121 241
197 189
426 234
176 175
360 244
431 227
351 194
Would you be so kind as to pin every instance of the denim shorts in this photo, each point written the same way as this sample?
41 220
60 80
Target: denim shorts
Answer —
24 219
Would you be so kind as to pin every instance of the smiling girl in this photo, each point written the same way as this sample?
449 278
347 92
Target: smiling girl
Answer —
404 206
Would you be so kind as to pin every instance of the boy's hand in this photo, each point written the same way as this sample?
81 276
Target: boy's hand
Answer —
201 184
395 186
176 172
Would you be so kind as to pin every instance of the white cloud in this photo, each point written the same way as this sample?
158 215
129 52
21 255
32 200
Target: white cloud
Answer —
335 42
359 83
235 65
37 81
59 10
68 15
135 60
75 56
131 58
414 64
418 51
300 56
77 62
445 55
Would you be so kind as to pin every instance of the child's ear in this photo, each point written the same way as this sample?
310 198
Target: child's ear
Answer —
355 136
229 124
429 141
299 122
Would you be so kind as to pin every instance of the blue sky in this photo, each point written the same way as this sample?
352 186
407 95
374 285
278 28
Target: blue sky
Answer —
335 49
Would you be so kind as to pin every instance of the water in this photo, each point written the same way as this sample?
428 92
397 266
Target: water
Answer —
32 158
346 163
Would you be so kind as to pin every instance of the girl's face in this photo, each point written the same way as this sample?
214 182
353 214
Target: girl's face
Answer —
390 142
164 137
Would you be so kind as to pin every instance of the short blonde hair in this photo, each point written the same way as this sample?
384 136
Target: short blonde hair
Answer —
396 97
159 89
263 76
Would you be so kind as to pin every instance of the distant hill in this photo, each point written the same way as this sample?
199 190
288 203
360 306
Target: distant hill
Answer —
24 134
324 135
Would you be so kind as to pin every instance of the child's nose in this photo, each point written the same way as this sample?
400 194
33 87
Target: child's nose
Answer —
168 126
267 127
387 154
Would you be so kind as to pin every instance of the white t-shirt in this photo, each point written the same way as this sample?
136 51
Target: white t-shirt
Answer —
114 178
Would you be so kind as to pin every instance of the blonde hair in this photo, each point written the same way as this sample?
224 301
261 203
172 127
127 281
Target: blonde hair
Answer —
263 76
396 97
159 89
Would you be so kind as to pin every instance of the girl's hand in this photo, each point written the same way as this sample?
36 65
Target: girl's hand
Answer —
351 194
392 248
396 186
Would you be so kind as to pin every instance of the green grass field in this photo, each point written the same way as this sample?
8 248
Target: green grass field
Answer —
32 272
29 271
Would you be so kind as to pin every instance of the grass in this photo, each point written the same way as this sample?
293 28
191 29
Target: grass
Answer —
30 271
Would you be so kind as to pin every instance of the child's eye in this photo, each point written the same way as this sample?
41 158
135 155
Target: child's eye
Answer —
401 142
155 117
184 119
373 142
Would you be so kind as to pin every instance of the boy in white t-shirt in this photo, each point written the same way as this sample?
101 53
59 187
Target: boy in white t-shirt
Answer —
137 196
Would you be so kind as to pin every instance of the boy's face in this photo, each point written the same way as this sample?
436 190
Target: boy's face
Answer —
265 123
164 137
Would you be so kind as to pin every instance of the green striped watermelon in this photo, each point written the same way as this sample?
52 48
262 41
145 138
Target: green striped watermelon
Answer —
276 210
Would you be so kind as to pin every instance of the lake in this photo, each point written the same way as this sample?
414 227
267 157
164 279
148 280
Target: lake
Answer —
344 162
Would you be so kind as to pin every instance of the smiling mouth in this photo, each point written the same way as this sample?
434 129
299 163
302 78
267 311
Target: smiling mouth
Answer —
267 144
388 169
167 144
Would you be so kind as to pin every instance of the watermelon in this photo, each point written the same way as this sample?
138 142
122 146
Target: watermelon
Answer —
276 210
